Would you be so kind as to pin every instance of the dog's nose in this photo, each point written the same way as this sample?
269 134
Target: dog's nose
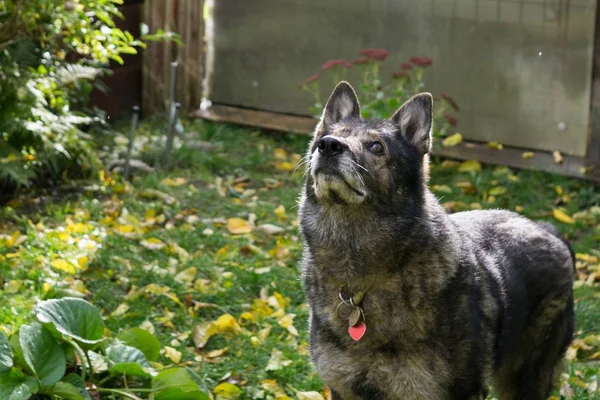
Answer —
330 146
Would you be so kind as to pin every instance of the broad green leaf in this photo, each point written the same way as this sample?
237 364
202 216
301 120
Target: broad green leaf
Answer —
14 385
65 391
128 360
42 353
73 317
143 340
6 361
18 359
79 384
176 384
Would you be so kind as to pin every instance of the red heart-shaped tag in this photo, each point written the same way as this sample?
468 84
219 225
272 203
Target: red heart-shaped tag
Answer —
357 331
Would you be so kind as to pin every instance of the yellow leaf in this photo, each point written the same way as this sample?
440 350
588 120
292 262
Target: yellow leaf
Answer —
247 317
227 391
309 396
571 353
495 145
562 216
203 332
217 353
172 354
238 226
449 164
498 191
187 275
13 286
276 361
284 166
82 262
153 243
470 166
280 212
261 308
559 190
528 155
558 158
62 265
452 140
174 181
120 310
441 189
519 209
280 154
15 239
227 324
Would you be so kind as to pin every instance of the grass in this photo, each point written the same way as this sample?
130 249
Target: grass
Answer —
160 253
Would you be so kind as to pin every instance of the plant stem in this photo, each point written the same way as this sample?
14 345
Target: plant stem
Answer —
82 357
121 392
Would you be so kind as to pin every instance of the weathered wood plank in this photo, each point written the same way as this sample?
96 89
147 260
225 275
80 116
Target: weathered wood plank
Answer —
510 156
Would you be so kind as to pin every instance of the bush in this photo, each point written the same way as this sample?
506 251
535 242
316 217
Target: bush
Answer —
380 99
66 355
51 52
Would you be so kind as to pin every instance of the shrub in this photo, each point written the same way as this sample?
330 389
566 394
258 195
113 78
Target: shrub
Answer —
51 52
381 99
65 354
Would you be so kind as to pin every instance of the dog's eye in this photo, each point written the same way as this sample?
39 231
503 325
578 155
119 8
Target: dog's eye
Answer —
376 148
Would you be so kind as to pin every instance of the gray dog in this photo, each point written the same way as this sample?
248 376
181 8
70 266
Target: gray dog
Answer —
408 302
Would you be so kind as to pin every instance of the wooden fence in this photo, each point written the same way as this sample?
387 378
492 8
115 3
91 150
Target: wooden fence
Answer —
186 18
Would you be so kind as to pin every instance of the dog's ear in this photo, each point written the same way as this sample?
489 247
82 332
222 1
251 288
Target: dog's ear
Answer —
342 104
414 120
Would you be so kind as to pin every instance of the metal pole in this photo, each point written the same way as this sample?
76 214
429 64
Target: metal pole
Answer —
170 137
172 110
134 121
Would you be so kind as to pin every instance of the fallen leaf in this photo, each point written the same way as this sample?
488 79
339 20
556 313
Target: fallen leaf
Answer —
449 164
277 361
120 310
280 212
173 354
285 166
227 324
227 391
270 229
13 286
452 140
441 189
528 155
217 353
62 265
498 190
470 166
187 275
562 216
495 145
153 243
280 154
558 158
309 396
174 181
238 226
157 194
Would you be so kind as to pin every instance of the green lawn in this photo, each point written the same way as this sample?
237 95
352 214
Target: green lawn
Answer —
174 252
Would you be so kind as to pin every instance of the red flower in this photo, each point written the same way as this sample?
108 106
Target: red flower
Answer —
400 75
450 119
375 54
406 66
310 79
421 61
362 60
335 63
450 101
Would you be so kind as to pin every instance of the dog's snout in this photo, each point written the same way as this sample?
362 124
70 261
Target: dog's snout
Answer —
330 146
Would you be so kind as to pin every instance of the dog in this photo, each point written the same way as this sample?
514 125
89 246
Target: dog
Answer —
409 302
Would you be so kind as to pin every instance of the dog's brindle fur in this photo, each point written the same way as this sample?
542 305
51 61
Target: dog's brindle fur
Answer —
456 303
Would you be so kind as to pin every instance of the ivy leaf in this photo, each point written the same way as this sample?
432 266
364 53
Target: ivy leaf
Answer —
6 361
142 340
176 384
42 353
65 391
14 385
72 317
79 384
127 360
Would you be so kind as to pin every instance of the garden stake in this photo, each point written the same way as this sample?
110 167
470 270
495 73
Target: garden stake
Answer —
172 111
134 121
170 137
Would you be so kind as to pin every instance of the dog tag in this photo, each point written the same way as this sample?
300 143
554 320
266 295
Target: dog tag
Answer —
354 316
358 331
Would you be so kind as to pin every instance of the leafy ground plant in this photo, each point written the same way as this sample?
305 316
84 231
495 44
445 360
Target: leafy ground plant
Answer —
381 96
205 258
65 355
